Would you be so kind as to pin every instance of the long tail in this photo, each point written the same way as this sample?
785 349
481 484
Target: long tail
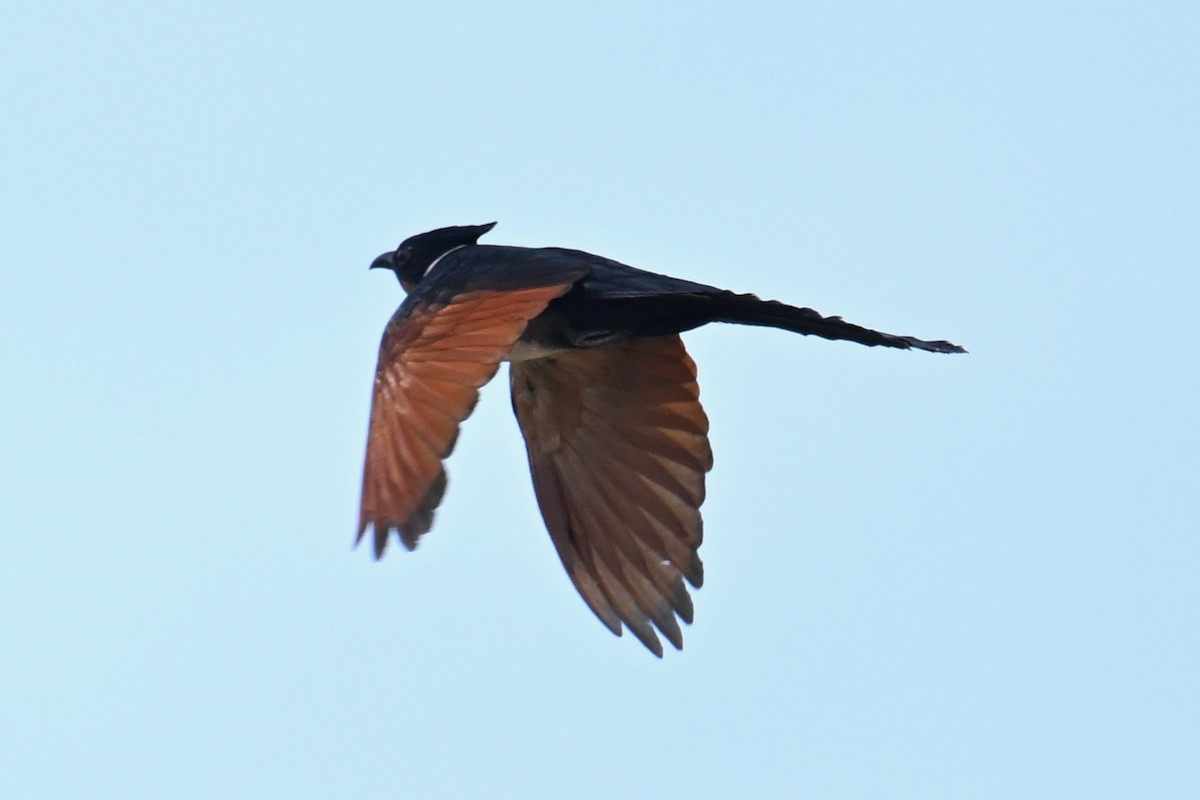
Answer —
746 309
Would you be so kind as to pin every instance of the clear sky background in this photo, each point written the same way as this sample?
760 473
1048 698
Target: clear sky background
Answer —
927 576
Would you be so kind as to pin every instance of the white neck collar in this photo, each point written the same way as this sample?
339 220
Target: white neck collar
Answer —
438 260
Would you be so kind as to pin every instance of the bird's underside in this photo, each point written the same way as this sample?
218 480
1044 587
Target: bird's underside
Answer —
603 390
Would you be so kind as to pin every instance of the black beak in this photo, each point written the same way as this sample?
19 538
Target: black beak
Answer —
385 261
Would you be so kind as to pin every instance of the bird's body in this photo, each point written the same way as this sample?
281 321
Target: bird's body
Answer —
603 389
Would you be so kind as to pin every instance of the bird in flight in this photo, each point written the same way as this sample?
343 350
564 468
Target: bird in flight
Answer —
604 392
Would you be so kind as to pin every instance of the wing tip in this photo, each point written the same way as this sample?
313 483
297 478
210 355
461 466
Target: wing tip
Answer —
381 532
648 638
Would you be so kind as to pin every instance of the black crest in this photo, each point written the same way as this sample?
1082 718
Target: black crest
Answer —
416 254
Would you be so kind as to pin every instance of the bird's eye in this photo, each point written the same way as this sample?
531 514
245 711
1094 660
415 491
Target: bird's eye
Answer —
402 255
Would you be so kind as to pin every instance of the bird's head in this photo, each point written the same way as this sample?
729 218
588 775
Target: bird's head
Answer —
412 260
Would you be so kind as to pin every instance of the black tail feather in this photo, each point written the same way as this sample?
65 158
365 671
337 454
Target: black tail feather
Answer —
747 309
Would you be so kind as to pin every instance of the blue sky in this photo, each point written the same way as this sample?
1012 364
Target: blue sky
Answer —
970 576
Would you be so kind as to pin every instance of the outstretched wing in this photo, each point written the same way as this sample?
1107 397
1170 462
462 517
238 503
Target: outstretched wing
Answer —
435 355
618 448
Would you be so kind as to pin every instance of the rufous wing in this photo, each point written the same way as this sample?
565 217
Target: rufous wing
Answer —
433 360
618 448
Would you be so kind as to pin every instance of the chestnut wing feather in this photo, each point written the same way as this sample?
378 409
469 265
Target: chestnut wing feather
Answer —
432 362
618 448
